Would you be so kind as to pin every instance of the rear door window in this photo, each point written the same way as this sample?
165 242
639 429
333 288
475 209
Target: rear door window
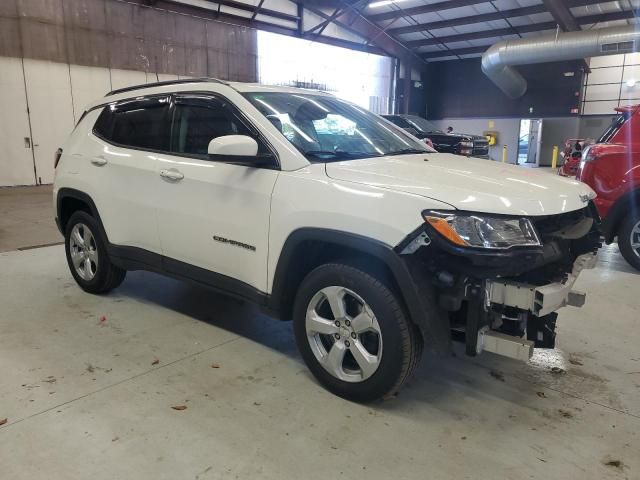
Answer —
141 123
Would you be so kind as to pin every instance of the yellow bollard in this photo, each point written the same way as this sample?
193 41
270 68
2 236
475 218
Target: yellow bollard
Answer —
554 158
504 154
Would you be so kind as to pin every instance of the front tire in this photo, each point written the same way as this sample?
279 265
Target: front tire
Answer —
629 239
87 257
353 333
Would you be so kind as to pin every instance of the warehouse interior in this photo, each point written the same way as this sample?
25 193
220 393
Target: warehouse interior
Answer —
164 378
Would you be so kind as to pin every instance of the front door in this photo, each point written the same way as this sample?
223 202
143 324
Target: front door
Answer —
212 215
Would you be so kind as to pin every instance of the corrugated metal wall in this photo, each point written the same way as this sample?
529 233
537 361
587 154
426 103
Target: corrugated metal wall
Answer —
122 35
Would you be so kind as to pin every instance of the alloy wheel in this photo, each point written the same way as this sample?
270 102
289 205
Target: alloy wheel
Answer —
634 239
344 334
84 251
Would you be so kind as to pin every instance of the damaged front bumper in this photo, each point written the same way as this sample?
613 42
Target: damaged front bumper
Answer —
503 301
540 300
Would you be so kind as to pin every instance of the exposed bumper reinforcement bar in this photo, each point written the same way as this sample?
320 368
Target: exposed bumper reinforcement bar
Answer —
540 300
505 345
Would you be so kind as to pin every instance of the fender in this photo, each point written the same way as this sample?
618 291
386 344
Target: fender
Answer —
77 195
415 292
622 206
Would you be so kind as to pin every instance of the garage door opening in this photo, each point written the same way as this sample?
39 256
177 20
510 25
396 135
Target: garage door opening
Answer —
362 78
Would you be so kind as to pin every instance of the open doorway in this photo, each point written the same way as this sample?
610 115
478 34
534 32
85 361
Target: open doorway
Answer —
529 141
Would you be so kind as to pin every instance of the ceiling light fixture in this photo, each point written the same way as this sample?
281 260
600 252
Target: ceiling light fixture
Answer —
631 83
384 2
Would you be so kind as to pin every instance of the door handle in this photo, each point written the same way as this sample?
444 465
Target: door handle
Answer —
172 174
99 161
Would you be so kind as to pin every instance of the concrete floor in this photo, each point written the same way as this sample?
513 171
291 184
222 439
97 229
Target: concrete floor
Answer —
27 218
88 384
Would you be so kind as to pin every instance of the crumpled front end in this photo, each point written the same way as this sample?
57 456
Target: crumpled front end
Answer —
505 300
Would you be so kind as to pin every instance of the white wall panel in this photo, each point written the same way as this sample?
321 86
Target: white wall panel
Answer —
609 91
599 108
87 85
606 61
16 161
631 72
632 59
605 75
50 111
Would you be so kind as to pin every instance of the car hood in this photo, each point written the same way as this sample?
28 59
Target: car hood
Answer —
467 183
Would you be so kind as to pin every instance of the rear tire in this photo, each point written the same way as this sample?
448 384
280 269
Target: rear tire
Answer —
366 351
87 257
629 239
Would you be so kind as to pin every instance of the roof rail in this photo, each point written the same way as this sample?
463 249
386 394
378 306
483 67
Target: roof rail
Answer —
161 84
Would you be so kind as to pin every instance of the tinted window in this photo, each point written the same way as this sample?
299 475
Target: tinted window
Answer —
325 128
142 123
612 129
198 120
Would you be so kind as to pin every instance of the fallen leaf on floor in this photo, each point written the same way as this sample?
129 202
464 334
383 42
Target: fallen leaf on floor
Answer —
497 375
50 380
115 439
179 407
257 404
565 414
103 318
615 463
557 370
90 368
541 394
463 438
574 361
3 421
215 365
155 362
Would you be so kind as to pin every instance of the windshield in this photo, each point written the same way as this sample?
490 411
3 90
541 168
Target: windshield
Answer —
422 124
614 127
325 128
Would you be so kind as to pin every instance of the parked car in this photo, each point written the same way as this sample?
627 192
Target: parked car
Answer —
315 209
571 157
612 168
458 143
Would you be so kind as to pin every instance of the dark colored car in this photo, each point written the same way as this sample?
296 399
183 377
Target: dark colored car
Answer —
458 143
611 168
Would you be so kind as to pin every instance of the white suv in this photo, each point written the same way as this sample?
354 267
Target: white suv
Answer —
323 213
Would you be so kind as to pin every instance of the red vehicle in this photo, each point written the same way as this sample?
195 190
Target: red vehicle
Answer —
571 156
612 168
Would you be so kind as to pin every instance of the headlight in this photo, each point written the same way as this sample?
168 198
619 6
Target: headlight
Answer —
470 230
466 144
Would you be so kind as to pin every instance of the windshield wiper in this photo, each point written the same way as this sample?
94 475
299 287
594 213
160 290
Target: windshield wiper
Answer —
408 151
339 154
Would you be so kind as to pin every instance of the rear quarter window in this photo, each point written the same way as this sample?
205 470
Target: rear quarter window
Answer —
141 124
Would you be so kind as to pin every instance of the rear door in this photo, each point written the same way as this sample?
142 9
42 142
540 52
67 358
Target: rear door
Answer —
127 139
213 215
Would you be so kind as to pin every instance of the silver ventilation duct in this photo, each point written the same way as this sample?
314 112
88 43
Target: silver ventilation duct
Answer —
498 61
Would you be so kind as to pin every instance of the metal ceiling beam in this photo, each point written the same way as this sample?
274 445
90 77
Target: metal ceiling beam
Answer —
372 33
455 53
586 20
434 7
463 37
562 15
487 17
251 8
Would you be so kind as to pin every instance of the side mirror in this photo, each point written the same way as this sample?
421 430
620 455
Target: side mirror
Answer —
233 146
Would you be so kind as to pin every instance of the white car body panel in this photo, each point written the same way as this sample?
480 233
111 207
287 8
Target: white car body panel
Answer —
123 189
471 184
308 198
378 198
216 201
